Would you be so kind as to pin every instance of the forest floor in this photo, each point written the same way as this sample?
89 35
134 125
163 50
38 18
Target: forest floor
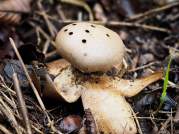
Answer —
150 31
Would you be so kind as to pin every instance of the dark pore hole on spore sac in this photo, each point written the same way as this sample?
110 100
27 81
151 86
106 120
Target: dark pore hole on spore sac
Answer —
93 26
107 35
83 40
87 31
70 33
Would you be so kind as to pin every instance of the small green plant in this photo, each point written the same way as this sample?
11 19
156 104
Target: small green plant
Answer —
165 85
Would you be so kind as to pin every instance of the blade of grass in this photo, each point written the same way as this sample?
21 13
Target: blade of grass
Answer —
165 84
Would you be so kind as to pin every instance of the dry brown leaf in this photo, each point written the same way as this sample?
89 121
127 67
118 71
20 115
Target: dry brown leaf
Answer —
10 10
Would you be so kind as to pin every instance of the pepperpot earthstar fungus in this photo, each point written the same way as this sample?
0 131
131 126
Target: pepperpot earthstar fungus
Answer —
87 49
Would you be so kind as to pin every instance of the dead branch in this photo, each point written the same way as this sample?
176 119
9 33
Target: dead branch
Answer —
21 103
4 129
126 24
154 11
81 4
50 123
5 109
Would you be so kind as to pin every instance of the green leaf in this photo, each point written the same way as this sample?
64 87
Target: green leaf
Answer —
165 85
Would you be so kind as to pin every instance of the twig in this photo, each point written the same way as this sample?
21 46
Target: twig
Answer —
142 67
164 126
3 84
4 130
40 30
50 55
176 118
171 122
37 130
127 24
38 36
81 4
10 101
154 11
46 46
137 121
50 26
21 103
170 83
14 12
61 13
4 108
50 123
149 118
27 75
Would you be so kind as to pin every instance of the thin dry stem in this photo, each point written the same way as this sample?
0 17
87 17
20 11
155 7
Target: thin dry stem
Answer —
142 67
154 11
50 54
176 118
81 4
22 103
45 48
164 126
50 123
50 26
4 129
5 109
136 120
127 24
27 75
41 31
